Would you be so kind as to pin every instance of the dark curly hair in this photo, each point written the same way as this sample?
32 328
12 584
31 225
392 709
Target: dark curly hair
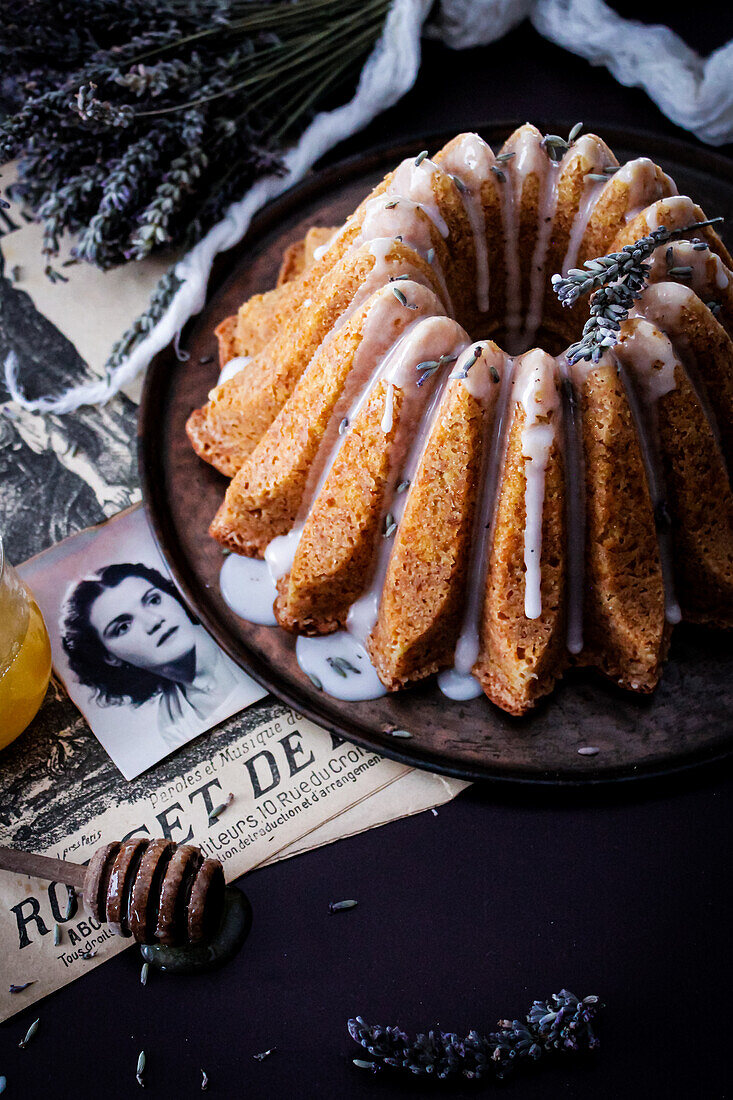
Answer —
86 652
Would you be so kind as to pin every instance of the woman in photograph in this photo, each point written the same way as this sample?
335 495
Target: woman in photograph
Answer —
129 637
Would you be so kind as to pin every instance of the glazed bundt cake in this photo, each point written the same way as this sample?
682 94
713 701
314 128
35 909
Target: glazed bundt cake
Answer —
436 483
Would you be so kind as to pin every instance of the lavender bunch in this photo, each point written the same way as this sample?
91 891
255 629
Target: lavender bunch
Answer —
563 1023
615 281
152 118
137 125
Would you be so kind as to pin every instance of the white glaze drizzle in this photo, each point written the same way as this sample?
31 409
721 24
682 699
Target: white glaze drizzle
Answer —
411 186
447 338
709 273
649 353
533 314
378 276
375 359
390 216
315 655
646 184
397 215
679 211
280 552
598 158
591 195
458 687
512 282
546 209
662 304
415 181
529 159
458 679
362 616
320 252
537 394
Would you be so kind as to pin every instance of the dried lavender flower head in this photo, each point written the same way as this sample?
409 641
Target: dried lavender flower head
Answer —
563 1023
615 281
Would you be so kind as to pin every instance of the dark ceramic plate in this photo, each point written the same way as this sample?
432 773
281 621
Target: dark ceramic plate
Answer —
689 719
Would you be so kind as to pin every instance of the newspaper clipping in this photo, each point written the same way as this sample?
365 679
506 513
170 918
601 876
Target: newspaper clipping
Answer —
63 798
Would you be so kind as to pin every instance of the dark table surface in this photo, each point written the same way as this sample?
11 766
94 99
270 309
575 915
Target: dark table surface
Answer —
467 916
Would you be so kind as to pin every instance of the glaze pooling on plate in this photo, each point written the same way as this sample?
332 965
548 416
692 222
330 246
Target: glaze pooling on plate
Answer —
247 587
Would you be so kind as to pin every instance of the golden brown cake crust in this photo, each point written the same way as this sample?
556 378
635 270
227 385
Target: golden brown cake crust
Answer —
263 498
700 503
704 347
521 658
421 610
299 256
239 412
332 564
225 335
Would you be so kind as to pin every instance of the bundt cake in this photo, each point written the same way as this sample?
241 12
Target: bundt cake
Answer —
437 477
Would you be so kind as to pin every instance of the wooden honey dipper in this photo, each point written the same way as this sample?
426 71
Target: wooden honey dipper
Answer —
153 890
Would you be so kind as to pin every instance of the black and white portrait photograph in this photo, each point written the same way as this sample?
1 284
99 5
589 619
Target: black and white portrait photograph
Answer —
136 661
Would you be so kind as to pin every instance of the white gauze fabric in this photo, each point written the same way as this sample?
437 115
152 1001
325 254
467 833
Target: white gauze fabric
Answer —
696 94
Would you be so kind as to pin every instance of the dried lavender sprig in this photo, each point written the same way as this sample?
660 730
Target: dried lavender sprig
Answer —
605 270
65 208
178 183
91 109
160 77
428 367
19 128
562 1023
475 355
616 281
104 239
29 1034
140 1069
31 39
24 985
